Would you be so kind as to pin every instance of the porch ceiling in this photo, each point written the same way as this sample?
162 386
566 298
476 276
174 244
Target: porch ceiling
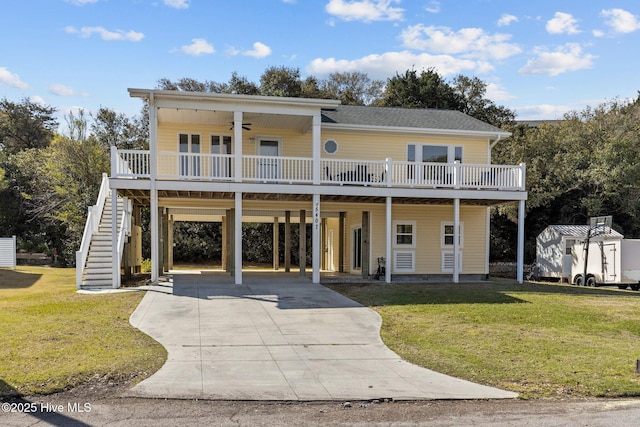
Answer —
142 197
225 118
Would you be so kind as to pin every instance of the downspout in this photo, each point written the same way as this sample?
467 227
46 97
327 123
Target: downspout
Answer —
493 144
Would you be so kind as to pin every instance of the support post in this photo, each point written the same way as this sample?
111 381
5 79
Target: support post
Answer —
238 238
223 230
456 240
316 248
287 241
389 230
237 145
341 223
520 261
302 246
276 243
170 244
366 245
165 240
231 233
115 259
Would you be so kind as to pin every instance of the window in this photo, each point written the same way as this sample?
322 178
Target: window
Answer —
434 153
330 146
188 145
447 235
404 234
569 244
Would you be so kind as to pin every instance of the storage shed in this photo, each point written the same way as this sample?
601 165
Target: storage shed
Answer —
554 246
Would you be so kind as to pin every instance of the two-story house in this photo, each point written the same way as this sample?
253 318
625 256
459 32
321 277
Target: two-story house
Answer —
412 186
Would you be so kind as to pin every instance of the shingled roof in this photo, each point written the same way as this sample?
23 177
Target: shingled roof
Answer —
416 118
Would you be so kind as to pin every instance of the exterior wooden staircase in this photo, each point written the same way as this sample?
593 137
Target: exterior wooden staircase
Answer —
94 260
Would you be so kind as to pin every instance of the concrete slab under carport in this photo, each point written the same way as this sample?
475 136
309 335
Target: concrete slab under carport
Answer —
278 337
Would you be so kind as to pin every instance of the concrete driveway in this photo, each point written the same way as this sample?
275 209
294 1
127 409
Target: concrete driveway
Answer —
278 337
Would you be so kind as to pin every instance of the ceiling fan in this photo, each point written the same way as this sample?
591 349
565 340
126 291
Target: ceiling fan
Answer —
245 126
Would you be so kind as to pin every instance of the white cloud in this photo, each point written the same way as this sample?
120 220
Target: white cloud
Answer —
81 2
177 4
433 7
198 47
598 33
105 34
506 20
562 23
381 66
7 78
564 59
289 1
364 10
496 92
470 42
260 50
37 100
621 21
62 90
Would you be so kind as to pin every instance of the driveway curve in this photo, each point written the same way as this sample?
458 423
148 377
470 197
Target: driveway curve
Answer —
278 337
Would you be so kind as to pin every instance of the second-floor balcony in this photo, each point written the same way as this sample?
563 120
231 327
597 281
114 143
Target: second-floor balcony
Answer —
136 164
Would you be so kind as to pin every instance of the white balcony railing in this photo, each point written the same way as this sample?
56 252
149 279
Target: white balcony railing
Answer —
299 170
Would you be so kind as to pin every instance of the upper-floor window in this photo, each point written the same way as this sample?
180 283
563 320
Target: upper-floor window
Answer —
433 153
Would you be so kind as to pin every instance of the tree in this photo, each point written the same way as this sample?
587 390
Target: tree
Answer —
471 93
110 128
354 88
427 90
25 125
281 81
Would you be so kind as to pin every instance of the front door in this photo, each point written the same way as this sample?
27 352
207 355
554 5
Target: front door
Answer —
269 167
221 166
189 147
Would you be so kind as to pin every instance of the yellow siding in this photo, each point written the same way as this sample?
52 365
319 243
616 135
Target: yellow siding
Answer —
380 146
351 145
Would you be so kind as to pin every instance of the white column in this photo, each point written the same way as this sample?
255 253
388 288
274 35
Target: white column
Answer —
315 240
387 270
115 259
237 145
237 235
155 240
153 154
520 261
315 136
456 240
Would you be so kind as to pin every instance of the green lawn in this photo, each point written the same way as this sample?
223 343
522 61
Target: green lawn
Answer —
53 338
540 340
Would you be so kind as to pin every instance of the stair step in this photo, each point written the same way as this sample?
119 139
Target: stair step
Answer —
92 283
92 271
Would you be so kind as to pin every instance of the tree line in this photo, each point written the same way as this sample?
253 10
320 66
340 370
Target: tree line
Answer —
581 166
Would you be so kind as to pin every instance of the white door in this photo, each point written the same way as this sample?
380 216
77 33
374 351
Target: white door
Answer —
221 166
189 147
269 168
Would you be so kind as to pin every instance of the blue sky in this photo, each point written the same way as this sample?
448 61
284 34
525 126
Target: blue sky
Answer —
540 58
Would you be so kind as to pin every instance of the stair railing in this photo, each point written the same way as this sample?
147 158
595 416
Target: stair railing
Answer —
91 227
125 230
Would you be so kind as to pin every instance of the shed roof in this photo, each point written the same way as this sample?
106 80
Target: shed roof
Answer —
413 118
581 231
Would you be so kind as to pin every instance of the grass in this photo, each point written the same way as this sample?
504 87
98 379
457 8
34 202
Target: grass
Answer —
53 339
540 340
